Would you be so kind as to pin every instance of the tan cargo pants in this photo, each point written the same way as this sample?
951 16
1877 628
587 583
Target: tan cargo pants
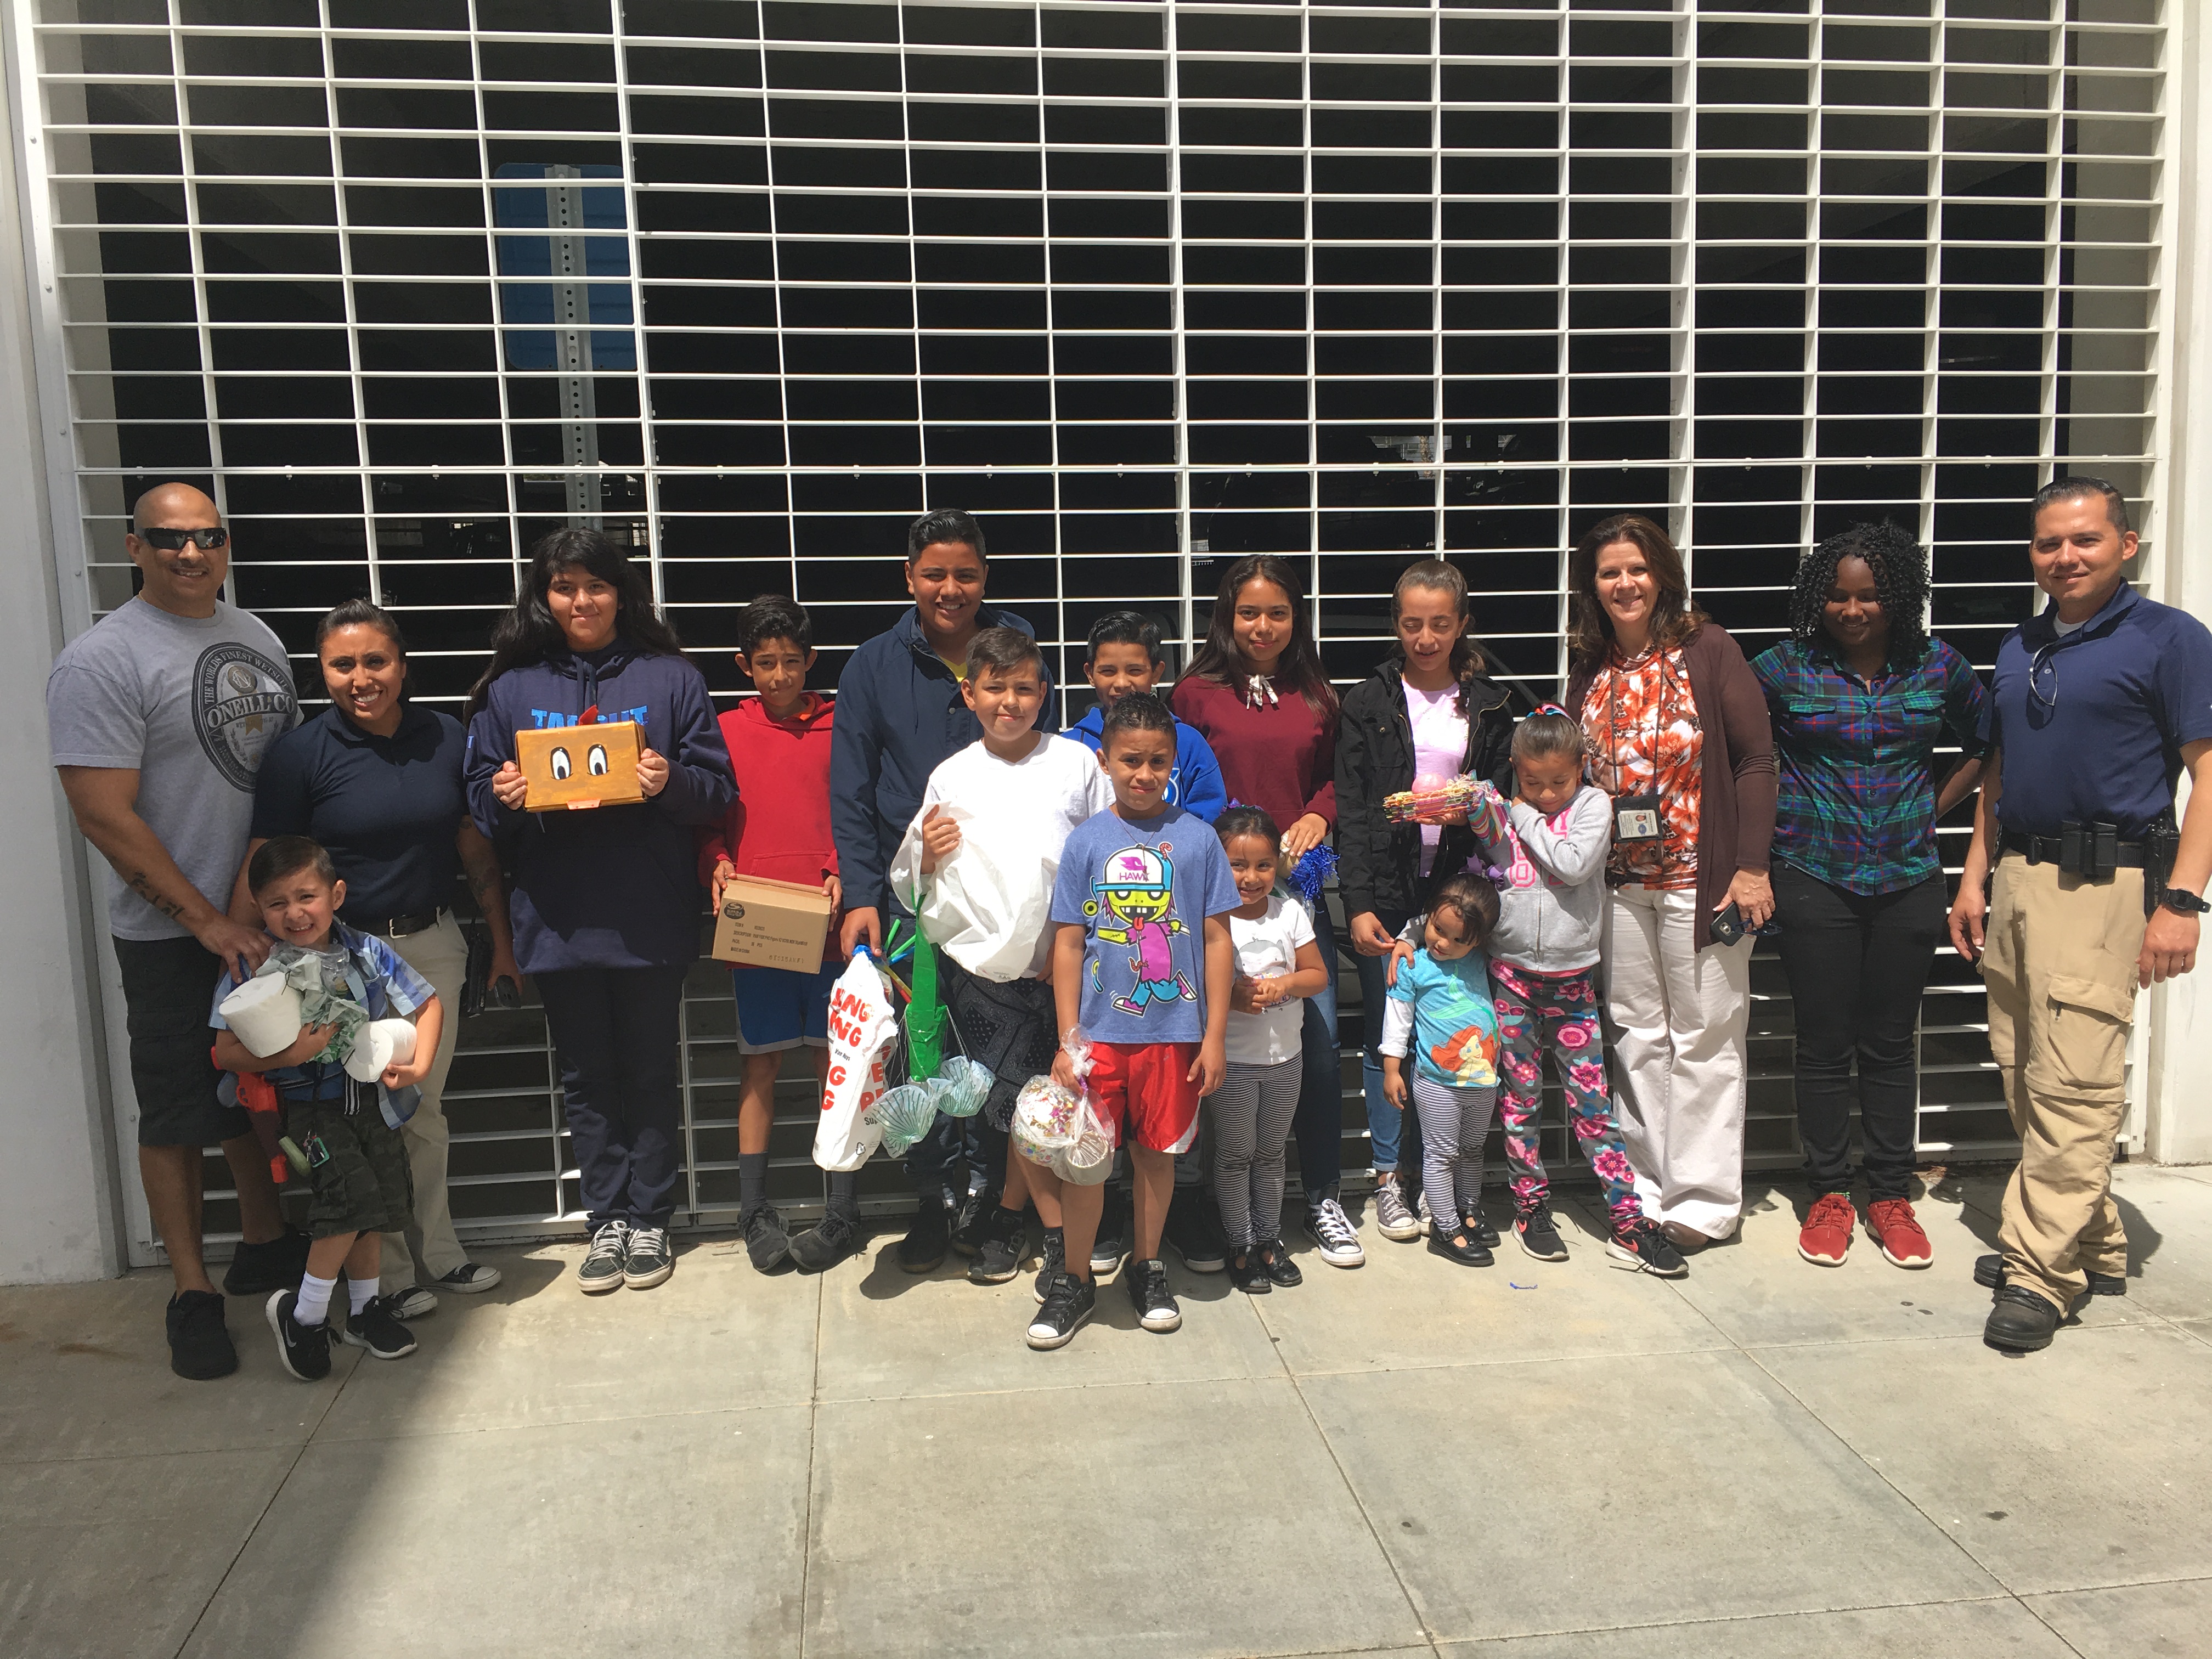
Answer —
430 1247
2059 958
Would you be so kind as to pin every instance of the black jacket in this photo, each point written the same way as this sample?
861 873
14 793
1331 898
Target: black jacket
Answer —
1378 862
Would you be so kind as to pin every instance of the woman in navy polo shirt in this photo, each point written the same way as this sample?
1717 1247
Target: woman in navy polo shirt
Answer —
1861 697
377 781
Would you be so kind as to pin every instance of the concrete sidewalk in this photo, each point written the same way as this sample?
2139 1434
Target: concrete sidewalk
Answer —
1765 1459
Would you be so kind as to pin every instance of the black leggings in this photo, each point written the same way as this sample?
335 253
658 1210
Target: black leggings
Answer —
1857 964
616 1034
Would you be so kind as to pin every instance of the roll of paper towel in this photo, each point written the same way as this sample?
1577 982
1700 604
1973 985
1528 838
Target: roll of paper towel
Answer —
382 1043
263 1014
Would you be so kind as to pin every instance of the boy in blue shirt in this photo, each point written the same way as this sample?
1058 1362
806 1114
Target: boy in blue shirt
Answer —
1124 656
357 1174
1141 963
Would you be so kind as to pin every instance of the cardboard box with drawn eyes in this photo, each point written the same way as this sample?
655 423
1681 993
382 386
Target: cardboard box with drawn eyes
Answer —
589 765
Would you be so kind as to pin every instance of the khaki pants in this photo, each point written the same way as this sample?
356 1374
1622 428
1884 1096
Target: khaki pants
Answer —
2059 960
429 1249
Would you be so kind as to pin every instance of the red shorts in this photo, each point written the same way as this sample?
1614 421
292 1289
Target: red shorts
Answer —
1152 1088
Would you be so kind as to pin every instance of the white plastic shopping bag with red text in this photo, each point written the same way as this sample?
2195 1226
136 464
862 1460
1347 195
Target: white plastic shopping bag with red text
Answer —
862 1029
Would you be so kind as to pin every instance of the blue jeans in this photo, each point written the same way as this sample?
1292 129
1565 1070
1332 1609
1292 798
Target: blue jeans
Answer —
1319 1126
1384 1119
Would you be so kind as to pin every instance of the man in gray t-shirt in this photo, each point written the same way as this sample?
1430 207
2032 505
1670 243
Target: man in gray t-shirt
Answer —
159 715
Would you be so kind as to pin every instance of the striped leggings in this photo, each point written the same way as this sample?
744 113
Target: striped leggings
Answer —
1252 1113
1454 1122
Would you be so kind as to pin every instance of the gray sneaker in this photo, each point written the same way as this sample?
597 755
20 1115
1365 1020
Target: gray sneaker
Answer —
602 1267
413 1303
1392 1218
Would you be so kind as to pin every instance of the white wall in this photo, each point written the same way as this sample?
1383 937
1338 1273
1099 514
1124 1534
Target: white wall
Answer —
58 1210
2178 1129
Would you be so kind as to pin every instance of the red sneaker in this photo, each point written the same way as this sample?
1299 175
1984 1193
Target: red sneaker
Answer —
1826 1239
1892 1224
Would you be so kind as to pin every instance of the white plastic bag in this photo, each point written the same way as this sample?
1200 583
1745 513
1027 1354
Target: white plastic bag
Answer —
989 905
862 1028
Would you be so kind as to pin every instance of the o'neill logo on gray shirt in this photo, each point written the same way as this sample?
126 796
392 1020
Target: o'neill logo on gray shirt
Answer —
235 691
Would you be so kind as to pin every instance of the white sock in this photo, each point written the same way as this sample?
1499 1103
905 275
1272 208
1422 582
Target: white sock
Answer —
315 1303
358 1293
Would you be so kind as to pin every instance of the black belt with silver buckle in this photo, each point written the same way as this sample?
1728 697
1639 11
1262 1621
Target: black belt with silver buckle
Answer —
2046 850
400 926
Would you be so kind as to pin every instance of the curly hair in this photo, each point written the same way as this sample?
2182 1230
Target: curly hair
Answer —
1673 618
1899 565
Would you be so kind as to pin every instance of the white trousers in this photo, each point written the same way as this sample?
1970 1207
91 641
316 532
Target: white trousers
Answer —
1675 1018
429 1247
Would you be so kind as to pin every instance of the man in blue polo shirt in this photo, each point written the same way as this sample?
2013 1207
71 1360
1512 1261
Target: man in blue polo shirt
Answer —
2096 706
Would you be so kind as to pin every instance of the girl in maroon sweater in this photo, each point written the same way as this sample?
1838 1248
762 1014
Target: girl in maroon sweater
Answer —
1256 692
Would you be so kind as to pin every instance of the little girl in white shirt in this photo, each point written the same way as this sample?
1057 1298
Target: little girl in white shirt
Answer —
1278 964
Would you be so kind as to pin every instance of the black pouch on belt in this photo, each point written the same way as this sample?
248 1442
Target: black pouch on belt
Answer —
2089 849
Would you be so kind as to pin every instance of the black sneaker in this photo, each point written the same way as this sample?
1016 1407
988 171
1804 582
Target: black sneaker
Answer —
1249 1274
1642 1248
200 1343
1989 1273
601 1269
1479 1230
922 1249
1056 1259
1067 1303
650 1259
469 1279
257 1269
1461 1245
826 1244
306 1353
377 1330
1540 1234
1193 1231
1275 1262
1004 1243
766 1242
969 1231
1109 1249
1148 1290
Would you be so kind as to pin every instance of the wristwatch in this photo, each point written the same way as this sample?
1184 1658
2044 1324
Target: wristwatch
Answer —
2181 899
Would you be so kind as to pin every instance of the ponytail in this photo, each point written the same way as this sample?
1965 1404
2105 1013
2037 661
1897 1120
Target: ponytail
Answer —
1438 577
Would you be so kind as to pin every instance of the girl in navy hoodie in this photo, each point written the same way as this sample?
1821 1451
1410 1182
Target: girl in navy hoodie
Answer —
606 903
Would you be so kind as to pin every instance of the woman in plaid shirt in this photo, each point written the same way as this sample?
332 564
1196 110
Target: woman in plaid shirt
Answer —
1860 698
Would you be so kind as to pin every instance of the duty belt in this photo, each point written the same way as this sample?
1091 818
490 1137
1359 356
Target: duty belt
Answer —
2048 849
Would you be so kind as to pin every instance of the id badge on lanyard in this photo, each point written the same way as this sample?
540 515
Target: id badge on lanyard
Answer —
1638 819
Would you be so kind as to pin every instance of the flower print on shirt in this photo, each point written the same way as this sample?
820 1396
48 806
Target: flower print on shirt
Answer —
1133 902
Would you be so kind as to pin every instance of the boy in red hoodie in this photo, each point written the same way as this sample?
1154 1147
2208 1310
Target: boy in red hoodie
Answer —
779 744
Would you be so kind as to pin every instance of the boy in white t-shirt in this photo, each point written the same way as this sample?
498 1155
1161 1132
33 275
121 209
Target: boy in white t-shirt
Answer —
978 863
1278 964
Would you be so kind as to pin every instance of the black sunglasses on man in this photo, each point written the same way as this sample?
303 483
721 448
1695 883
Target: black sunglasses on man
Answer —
171 541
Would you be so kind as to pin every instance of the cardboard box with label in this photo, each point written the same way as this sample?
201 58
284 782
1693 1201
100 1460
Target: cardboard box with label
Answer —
593 764
772 924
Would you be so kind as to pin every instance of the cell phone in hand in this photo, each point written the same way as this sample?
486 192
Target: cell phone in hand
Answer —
1728 925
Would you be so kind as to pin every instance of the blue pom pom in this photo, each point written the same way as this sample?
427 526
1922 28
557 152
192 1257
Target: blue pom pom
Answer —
1311 872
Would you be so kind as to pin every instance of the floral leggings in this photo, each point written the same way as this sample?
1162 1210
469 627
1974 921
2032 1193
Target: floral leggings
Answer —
1562 1009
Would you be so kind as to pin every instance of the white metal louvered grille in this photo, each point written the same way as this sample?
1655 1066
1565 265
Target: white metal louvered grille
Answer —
1150 286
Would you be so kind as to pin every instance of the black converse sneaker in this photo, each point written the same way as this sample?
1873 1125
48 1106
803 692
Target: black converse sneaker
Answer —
305 1352
1067 1303
375 1328
1000 1246
1540 1234
1055 1258
601 1268
1148 1290
650 1259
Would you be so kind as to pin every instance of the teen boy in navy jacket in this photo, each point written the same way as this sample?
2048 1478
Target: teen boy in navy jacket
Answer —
900 716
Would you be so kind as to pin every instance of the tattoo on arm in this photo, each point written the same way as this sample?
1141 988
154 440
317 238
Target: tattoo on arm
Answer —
142 884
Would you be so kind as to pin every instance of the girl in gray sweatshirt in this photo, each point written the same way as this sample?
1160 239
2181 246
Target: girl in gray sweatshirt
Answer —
1543 973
